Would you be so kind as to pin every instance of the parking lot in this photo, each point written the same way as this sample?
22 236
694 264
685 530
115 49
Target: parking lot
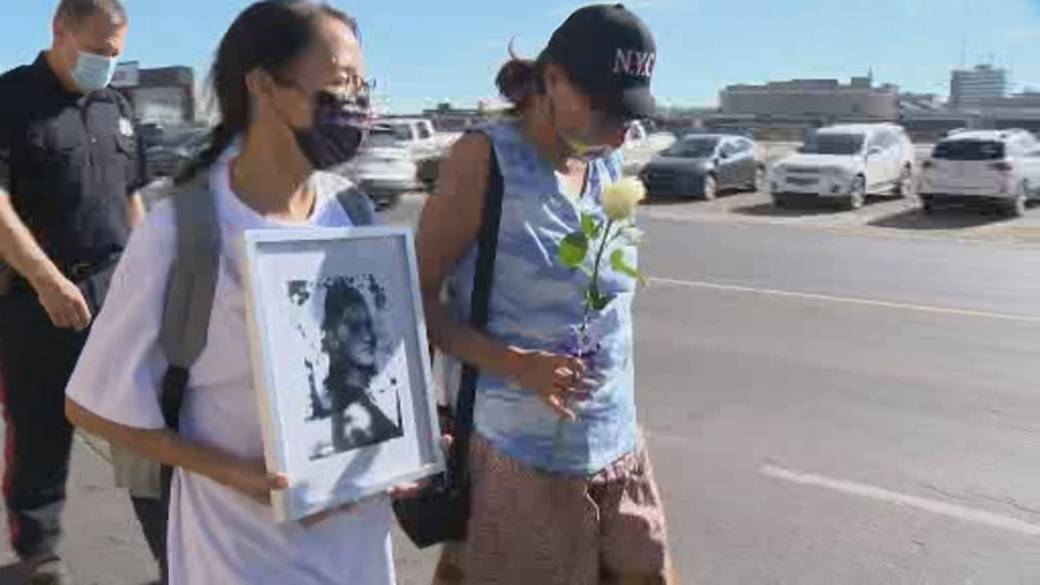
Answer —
882 216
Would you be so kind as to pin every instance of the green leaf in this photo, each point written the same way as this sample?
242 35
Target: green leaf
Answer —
618 263
573 250
590 226
601 302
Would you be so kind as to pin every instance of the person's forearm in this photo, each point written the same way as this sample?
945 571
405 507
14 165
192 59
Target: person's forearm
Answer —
162 446
463 342
19 248
134 210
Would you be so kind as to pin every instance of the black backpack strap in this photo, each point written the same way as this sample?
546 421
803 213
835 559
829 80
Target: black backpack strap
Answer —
480 303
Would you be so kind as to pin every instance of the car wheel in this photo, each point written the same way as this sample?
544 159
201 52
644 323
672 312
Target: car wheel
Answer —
1018 206
759 182
711 188
387 202
858 194
927 204
779 201
905 186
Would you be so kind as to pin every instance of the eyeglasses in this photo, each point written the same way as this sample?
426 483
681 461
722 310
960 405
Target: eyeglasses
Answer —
354 90
331 98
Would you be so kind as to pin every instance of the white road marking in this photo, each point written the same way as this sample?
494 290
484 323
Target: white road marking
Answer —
847 300
937 507
665 439
1015 234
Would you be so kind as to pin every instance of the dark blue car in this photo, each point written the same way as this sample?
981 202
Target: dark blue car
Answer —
703 165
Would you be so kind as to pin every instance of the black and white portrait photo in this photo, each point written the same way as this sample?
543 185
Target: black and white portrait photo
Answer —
352 395
341 363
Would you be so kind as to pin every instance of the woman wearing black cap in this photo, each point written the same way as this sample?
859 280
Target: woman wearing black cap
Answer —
572 504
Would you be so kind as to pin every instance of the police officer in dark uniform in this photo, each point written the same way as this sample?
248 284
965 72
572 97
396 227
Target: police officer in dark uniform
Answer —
69 170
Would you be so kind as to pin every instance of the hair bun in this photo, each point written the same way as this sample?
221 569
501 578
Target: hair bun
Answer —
517 80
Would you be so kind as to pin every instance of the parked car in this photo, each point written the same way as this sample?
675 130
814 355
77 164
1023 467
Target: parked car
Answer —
424 144
704 165
847 162
174 149
149 133
383 168
418 136
990 166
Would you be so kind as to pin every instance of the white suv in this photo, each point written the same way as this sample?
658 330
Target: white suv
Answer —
847 162
1002 166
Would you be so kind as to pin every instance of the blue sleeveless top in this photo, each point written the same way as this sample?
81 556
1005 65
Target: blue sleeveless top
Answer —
537 304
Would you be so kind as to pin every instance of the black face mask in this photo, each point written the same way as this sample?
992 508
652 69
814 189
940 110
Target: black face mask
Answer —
340 127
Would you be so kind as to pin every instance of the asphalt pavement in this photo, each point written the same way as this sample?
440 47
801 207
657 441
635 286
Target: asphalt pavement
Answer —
842 409
827 401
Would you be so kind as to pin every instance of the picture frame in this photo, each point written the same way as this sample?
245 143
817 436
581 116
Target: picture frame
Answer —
341 366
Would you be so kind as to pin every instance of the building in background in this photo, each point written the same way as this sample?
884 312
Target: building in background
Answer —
920 102
448 118
970 88
163 96
820 100
1029 100
1020 110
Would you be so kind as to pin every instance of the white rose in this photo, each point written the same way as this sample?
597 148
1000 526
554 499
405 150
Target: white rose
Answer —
621 198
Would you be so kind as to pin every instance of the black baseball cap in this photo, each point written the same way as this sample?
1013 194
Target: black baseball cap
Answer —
609 53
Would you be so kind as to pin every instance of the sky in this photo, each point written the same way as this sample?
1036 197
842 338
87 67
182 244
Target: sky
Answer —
422 52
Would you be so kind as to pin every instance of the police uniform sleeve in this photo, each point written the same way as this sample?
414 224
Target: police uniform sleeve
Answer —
120 369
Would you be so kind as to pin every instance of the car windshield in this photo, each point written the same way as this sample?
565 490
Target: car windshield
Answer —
187 139
839 144
692 148
969 150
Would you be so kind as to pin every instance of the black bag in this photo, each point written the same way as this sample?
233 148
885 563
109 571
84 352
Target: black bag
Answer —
440 512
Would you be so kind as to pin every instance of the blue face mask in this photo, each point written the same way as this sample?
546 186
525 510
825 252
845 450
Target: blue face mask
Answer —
93 72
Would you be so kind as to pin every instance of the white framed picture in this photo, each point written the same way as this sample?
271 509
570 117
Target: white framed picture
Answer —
340 363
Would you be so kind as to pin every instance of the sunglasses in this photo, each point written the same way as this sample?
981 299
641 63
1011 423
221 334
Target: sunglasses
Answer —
355 92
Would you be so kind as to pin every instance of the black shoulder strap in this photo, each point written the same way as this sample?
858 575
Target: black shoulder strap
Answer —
479 308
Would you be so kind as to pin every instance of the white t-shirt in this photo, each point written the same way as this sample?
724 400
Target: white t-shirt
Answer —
216 535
